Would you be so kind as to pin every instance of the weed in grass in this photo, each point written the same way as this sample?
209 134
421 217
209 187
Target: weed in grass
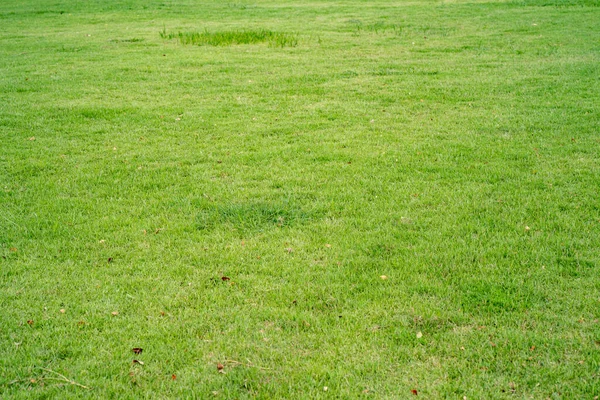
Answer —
233 37
379 27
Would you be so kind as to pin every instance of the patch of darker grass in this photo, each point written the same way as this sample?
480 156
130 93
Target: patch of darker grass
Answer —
132 40
233 37
489 297
560 3
252 216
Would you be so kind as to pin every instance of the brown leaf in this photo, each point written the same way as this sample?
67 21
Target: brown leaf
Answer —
13 249
110 259
138 362
414 391
115 313
30 321
173 377
225 278
62 310
137 350
220 367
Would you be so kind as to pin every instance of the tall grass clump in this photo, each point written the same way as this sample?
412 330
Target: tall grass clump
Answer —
233 37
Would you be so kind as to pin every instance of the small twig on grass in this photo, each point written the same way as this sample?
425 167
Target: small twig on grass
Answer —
18 381
250 365
64 378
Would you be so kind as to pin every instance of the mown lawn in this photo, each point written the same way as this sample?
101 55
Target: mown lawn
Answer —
300 199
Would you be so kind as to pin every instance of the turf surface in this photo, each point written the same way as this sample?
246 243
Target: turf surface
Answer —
312 199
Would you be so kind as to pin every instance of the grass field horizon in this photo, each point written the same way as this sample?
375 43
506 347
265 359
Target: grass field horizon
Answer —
308 199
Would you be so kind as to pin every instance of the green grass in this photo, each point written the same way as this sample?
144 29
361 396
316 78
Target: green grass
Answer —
449 146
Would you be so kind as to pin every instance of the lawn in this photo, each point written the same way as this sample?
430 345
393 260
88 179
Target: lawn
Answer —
300 199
